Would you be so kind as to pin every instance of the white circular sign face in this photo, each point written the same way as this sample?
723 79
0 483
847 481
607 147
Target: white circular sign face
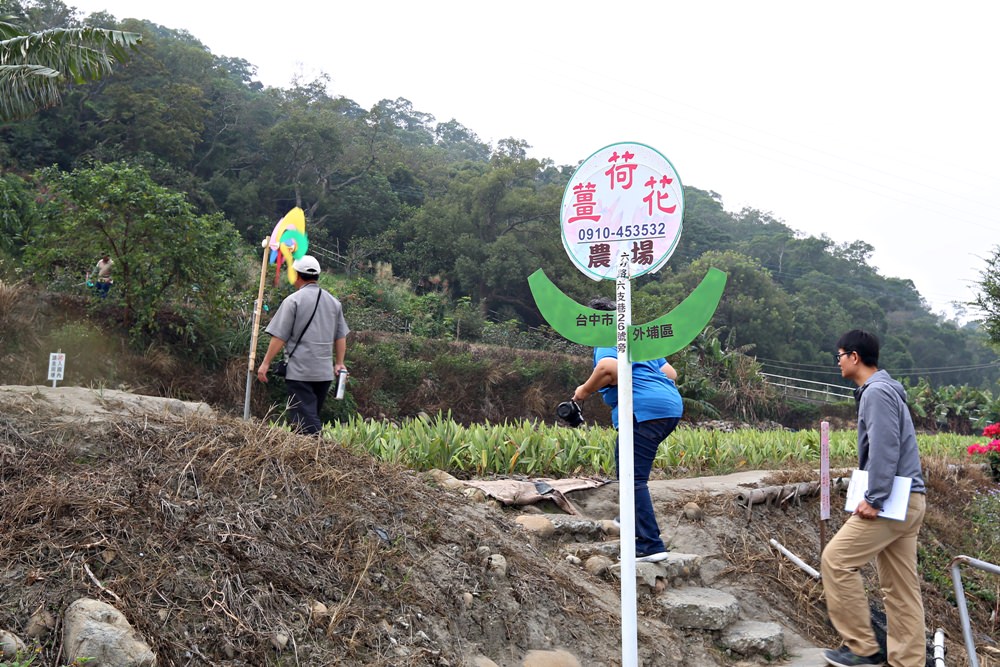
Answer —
624 198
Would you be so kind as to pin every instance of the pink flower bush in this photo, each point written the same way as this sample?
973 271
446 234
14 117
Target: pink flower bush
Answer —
991 449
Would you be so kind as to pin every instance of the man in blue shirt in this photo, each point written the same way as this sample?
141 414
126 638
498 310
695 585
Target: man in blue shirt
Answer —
657 409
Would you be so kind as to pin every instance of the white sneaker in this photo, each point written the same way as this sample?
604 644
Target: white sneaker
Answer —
651 558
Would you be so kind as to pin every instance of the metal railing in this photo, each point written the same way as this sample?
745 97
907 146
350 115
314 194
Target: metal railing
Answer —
963 609
810 389
332 255
956 577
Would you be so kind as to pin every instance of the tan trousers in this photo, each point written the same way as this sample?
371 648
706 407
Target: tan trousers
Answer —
893 545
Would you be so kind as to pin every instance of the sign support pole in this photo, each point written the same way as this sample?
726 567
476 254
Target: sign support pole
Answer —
632 212
626 465
57 363
824 482
254 329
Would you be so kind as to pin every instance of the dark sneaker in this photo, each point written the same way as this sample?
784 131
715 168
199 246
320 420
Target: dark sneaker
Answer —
651 558
843 657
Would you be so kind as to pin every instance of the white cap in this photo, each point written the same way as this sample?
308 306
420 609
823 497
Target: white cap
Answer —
306 264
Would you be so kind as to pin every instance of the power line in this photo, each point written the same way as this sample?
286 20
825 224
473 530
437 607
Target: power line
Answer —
805 367
761 150
952 369
945 369
931 370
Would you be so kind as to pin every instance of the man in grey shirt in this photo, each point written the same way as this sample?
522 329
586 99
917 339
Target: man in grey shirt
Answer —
887 448
311 322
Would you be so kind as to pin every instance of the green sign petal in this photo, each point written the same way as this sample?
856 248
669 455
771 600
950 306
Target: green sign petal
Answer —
661 337
575 323
674 331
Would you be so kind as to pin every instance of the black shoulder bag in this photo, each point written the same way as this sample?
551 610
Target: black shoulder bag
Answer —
281 367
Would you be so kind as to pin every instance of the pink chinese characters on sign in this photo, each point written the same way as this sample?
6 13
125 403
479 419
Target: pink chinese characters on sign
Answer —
625 198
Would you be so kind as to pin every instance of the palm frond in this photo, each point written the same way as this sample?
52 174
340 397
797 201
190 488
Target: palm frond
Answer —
33 65
8 29
81 53
26 89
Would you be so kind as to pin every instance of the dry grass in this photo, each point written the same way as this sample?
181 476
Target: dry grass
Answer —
778 581
214 538
19 330
792 473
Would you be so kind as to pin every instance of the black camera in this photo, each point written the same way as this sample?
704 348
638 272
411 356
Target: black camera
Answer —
570 413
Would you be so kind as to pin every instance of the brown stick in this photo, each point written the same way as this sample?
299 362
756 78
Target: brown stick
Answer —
100 585
255 328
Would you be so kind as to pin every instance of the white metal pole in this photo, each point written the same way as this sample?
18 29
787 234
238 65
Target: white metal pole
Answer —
626 465
939 648
811 571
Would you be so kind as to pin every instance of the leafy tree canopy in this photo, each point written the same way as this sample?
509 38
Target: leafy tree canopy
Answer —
428 202
988 299
164 252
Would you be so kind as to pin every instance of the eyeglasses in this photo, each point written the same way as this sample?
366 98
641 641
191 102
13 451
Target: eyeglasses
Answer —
838 355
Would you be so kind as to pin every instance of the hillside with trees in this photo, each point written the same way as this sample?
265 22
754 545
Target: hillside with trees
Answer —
180 162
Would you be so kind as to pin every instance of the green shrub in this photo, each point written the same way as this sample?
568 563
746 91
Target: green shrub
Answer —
467 320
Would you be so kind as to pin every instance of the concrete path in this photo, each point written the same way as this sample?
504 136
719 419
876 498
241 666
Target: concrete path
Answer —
810 657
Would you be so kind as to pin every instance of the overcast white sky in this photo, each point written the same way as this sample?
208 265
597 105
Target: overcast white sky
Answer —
873 121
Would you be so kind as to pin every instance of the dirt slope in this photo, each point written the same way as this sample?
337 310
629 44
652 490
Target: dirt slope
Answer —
217 538
229 543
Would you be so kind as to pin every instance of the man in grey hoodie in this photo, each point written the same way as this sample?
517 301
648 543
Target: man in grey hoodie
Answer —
887 447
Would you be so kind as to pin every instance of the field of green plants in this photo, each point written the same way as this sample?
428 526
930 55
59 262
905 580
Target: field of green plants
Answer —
539 449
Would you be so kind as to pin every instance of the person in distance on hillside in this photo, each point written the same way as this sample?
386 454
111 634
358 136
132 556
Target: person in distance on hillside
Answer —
887 448
657 409
311 321
102 275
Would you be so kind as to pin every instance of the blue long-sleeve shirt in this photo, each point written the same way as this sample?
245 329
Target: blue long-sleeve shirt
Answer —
654 395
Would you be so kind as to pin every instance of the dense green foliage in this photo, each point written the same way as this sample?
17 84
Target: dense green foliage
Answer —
180 151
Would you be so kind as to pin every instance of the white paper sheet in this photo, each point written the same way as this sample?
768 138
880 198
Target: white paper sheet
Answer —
895 505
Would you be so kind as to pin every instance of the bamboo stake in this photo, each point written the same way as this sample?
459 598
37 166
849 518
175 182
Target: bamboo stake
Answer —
256 326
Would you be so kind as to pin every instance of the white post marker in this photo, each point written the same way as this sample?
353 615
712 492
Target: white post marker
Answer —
57 365
824 471
626 465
